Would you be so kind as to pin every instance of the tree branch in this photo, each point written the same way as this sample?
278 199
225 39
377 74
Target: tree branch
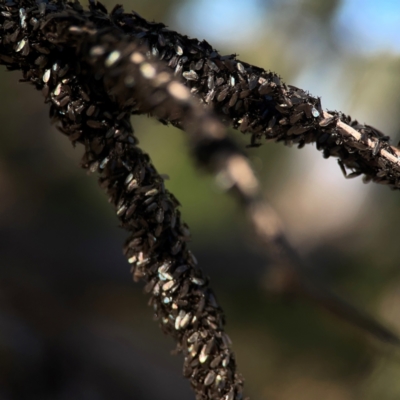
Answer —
257 102
89 74
66 52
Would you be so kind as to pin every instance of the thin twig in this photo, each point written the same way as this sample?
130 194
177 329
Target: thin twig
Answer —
234 172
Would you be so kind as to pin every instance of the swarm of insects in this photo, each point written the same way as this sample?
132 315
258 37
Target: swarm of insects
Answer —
97 69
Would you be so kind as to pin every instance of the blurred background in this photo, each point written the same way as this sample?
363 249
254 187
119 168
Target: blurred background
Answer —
72 322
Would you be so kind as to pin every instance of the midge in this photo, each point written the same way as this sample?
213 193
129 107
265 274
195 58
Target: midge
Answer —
115 65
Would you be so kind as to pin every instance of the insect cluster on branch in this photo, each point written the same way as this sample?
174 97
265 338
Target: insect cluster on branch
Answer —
97 69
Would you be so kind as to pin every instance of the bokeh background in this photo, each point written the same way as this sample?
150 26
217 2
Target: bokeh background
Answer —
73 325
